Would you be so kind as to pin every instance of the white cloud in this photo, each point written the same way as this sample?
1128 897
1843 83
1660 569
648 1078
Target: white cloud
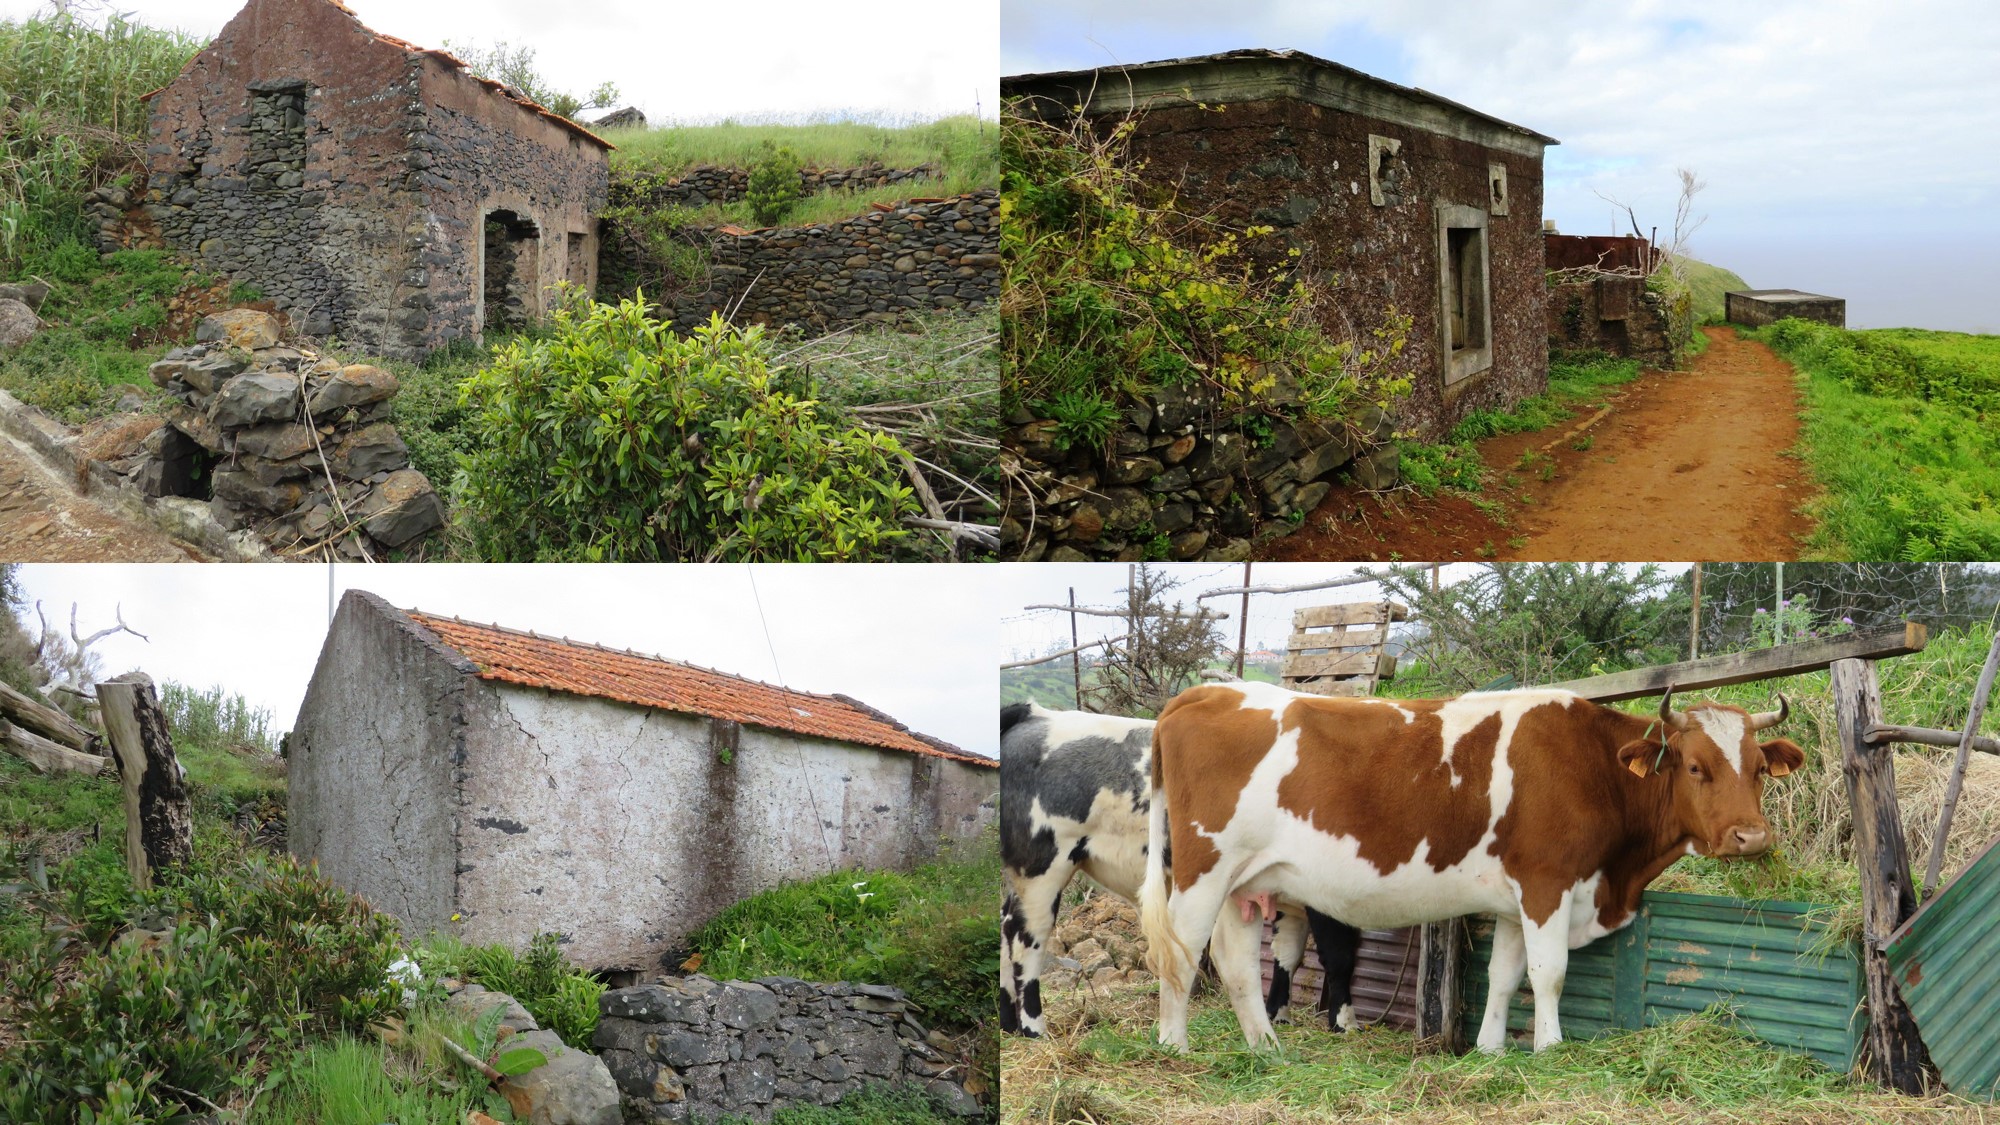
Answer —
696 61
914 641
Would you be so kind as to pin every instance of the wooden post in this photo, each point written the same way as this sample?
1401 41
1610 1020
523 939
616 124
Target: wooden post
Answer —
159 825
1694 621
1440 983
1243 626
1965 741
1075 654
1896 1054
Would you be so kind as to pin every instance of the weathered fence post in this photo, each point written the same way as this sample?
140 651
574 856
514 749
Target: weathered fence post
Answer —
1440 981
159 826
1896 1054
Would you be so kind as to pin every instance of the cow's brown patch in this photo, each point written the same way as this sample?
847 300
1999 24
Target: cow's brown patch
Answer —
1365 773
1213 745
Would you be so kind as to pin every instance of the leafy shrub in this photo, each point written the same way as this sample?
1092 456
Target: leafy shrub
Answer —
773 189
1111 291
132 1022
215 718
614 439
561 997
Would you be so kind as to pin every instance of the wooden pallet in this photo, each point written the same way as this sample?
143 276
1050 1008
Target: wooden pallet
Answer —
1338 649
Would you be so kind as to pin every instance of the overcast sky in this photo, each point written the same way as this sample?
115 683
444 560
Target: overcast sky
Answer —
914 641
691 61
1847 145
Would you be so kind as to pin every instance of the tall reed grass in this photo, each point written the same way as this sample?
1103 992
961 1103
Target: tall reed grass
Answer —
71 118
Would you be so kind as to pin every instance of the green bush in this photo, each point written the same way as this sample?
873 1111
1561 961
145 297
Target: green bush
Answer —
561 997
117 1040
774 185
614 439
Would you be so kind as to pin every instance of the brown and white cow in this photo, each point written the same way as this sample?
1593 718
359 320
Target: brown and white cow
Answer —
1546 810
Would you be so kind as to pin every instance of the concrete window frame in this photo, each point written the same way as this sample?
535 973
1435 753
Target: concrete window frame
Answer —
1378 191
1496 189
1464 286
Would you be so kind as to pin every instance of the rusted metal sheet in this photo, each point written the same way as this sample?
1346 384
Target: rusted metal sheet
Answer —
1384 983
1685 953
1946 963
1605 252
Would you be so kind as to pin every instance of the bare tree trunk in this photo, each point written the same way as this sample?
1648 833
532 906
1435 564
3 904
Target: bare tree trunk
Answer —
45 755
43 720
159 825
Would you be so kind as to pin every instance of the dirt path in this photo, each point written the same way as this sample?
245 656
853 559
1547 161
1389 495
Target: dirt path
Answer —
43 520
1683 465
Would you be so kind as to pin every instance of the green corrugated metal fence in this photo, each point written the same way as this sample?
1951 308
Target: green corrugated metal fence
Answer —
1686 952
1946 961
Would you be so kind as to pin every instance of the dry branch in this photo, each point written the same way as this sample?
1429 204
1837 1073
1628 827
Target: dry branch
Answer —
43 720
44 756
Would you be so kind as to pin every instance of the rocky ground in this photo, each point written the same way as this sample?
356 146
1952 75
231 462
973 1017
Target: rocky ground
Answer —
42 519
1097 945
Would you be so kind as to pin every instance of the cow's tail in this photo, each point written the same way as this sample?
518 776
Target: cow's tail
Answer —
1166 955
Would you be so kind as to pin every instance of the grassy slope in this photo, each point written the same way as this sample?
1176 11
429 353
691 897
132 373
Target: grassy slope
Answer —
1709 283
1900 432
827 144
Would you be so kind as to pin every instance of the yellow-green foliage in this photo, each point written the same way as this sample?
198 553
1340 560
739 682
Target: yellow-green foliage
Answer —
611 438
1111 291
1903 434
71 116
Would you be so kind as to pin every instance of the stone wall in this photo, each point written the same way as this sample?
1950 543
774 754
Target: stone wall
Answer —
348 175
1178 480
693 1049
707 184
1618 314
880 266
292 446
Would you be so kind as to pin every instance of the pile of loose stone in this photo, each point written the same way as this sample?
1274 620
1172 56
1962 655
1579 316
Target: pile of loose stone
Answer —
299 447
695 1049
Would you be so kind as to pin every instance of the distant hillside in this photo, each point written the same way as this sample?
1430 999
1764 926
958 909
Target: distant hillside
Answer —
1709 284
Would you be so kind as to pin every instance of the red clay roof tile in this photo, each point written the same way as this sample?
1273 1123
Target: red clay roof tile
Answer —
513 657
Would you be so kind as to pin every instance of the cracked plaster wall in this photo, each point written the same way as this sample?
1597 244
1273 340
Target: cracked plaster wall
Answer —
622 829
369 764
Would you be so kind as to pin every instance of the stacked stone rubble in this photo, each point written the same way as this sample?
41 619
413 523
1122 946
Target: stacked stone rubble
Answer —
1176 479
239 417
695 1049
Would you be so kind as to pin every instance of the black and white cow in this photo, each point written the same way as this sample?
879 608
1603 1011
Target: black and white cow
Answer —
1075 796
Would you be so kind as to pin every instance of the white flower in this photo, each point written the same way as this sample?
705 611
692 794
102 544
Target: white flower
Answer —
406 971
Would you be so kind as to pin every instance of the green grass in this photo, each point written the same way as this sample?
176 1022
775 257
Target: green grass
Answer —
873 1105
349 1081
1708 284
1576 381
106 316
961 146
1902 433
933 932
828 207
1100 1065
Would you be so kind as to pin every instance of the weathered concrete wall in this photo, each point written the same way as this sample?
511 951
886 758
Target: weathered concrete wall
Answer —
480 153
370 763
1758 307
625 829
318 227
347 176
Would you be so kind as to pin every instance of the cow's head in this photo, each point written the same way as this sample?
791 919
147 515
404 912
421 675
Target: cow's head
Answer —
1715 770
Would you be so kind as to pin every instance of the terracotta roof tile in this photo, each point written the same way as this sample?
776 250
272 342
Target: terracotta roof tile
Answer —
510 656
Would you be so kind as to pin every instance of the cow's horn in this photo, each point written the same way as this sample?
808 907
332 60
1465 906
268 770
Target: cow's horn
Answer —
1675 719
1764 719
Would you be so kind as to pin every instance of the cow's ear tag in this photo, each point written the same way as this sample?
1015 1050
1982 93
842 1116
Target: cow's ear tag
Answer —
1637 766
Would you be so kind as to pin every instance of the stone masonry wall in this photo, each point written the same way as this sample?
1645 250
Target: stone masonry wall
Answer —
708 183
693 1049
1303 170
1617 314
877 267
1180 481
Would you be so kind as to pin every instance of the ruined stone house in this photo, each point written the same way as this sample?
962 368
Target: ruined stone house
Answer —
375 191
1414 203
490 783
